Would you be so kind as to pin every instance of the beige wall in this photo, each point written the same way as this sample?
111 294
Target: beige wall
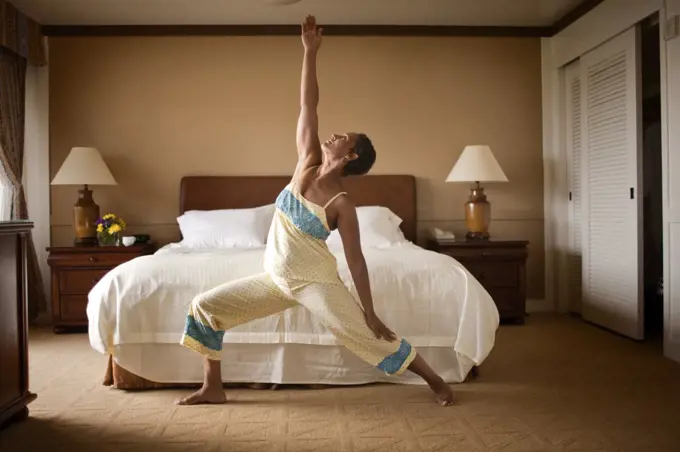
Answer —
162 108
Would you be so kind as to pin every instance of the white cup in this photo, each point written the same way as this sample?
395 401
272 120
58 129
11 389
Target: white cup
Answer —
129 241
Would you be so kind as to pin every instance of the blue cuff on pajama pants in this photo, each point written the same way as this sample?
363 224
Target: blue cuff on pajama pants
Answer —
202 338
398 362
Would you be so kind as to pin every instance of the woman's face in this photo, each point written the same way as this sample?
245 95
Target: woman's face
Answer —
339 146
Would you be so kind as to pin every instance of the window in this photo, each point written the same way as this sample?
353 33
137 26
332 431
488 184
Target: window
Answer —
6 196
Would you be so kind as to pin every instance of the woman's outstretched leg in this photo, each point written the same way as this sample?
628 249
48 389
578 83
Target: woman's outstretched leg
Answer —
222 308
340 313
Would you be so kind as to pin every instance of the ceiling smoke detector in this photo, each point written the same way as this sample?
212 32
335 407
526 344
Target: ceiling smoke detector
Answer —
281 2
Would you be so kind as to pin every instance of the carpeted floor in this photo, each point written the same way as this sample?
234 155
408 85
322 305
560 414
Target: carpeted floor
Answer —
554 384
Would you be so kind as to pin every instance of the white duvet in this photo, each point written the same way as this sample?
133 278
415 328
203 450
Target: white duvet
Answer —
428 298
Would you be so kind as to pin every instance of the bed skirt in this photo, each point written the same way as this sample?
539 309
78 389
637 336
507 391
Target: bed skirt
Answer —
158 366
120 378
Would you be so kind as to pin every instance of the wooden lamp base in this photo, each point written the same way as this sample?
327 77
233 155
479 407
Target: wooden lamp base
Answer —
85 216
477 214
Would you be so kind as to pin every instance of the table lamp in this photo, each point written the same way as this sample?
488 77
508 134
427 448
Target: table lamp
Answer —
477 164
84 166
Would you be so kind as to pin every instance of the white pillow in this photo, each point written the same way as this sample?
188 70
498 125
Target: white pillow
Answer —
226 228
378 227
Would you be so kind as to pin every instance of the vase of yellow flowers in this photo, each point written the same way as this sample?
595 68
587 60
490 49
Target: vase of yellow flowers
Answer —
110 227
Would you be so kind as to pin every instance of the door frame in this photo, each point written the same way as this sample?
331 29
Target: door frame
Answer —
671 217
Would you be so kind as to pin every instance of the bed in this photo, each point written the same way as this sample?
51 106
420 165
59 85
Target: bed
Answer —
137 311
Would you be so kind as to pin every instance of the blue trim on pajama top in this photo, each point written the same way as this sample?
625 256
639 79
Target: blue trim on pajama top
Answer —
300 216
393 363
203 334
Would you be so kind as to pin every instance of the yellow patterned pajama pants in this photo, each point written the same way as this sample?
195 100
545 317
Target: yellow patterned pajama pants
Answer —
241 301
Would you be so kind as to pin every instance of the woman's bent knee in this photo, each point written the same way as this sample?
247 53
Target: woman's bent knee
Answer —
202 302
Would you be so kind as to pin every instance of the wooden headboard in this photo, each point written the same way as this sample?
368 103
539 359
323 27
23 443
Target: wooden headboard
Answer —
398 193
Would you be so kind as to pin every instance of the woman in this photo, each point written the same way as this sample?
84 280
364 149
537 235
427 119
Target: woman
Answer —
299 268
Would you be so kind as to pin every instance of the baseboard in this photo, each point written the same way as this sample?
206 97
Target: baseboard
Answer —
539 305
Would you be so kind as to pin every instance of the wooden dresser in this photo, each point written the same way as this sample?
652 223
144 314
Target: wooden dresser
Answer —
14 390
75 271
500 266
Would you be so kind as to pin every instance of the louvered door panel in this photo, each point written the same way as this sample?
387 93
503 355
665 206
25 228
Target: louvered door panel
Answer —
610 139
573 135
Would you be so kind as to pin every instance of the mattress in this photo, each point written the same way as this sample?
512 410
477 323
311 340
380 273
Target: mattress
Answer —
137 312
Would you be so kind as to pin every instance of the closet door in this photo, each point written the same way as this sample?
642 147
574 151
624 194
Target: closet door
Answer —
573 141
611 175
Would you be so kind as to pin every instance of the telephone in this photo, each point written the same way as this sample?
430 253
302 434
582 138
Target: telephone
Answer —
440 235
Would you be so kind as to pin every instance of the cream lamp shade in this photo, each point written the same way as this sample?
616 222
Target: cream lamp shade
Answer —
476 164
84 166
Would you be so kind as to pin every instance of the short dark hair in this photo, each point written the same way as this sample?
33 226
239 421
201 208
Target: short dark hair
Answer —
366 157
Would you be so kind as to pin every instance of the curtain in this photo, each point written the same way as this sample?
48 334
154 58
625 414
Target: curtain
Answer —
6 195
12 116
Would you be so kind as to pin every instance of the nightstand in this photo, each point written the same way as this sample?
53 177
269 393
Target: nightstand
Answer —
500 266
75 271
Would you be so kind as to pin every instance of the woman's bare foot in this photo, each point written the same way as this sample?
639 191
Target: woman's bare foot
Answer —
443 392
204 396
212 391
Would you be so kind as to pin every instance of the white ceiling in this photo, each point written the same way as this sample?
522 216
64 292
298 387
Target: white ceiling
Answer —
346 12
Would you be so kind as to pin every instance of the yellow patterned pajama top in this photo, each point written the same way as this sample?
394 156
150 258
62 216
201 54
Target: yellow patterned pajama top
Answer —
299 270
